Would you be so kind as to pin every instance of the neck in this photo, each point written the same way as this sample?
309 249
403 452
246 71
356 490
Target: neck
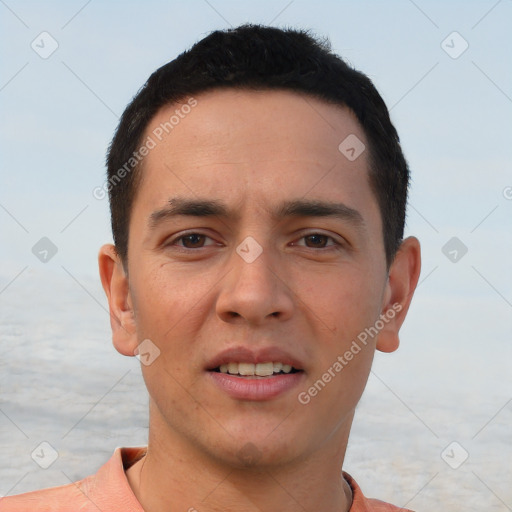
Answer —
177 476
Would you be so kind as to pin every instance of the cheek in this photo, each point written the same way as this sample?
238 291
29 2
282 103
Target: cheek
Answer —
168 302
347 385
170 310
345 302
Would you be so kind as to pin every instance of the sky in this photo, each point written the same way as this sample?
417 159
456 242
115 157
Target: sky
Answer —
59 112
441 67
69 69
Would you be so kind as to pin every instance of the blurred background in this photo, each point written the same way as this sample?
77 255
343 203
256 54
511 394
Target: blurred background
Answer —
434 425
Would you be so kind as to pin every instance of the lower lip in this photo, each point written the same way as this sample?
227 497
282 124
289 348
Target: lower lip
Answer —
245 388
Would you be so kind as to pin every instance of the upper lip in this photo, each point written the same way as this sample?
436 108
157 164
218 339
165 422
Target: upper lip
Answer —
243 354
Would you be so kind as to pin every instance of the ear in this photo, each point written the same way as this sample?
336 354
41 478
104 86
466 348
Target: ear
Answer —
115 284
402 280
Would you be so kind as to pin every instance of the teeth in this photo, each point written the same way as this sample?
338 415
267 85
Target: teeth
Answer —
246 368
260 369
264 369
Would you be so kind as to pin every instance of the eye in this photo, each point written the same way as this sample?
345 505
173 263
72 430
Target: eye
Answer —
318 241
191 241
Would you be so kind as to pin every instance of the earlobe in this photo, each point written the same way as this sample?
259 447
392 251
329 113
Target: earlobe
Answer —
402 281
115 284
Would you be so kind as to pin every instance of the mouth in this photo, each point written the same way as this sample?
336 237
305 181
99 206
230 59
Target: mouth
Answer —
248 375
256 371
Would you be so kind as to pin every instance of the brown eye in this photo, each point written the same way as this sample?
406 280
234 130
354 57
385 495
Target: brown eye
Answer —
192 241
316 241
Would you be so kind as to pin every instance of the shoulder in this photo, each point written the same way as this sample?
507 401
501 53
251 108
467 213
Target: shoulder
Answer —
361 503
108 489
381 506
46 500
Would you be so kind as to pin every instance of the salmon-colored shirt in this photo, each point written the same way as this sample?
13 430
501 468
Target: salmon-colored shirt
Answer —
109 491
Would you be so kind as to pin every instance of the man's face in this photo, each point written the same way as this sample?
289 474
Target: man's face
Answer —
298 291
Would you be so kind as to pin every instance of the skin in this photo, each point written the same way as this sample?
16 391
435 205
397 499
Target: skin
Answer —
193 298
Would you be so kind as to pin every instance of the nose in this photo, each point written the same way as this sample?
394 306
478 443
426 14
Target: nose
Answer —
253 292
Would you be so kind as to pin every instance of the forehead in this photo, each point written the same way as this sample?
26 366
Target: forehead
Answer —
225 118
235 144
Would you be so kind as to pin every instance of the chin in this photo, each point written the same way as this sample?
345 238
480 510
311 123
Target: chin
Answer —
259 451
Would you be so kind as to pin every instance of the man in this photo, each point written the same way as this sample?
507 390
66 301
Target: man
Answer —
258 194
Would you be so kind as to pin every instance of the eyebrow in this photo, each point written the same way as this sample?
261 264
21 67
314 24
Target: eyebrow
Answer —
187 207
297 208
316 208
